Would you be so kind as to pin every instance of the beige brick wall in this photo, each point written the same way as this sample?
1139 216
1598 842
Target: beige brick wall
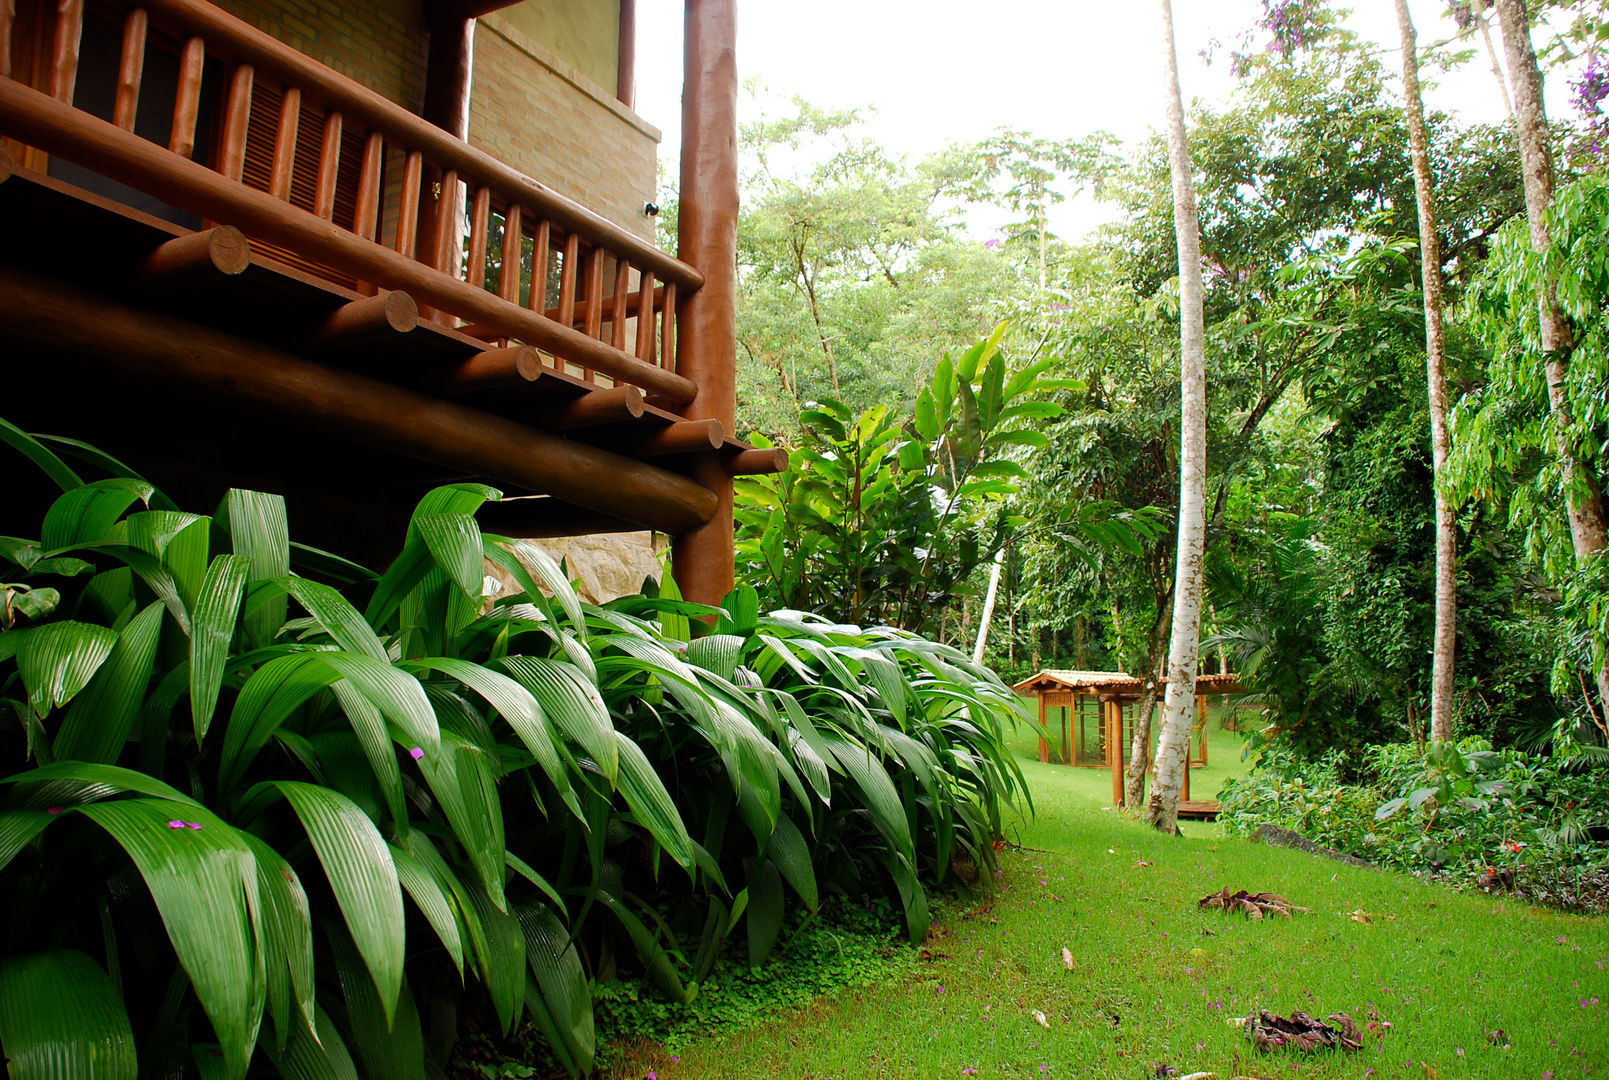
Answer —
379 43
547 119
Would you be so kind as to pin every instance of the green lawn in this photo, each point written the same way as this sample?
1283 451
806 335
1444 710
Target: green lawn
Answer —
1156 980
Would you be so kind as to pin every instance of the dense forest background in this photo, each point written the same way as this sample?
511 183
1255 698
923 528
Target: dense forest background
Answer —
865 281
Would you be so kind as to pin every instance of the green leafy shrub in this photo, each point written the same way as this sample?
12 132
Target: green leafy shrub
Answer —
230 774
1458 810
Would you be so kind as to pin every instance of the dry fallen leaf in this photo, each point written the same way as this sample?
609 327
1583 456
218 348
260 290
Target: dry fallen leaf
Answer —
1198 1076
1041 1020
1360 916
1067 959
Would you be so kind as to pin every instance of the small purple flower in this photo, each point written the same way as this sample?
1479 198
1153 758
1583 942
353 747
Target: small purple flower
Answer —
175 824
194 824
417 752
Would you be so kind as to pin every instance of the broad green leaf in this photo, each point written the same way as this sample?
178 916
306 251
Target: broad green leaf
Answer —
258 530
204 881
660 967
271 694
103 716
572 703
386 1043
361 874
343 622
461 779
503 964
557 993
792 857
86 514
18 828
212 626
881 798
454 542
650 803
41 455
61 1018
427 895
765 909
56 660
310 1056
286 931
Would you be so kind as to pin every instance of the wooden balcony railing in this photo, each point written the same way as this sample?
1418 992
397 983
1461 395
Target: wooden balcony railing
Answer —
478 244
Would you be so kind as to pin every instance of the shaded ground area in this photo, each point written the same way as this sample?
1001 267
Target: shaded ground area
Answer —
1156 981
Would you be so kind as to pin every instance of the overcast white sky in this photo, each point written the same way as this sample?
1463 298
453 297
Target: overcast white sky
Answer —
945 71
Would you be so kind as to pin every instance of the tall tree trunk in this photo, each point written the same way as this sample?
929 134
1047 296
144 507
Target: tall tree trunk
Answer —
1497 68
1446 635
1178 707
1585 494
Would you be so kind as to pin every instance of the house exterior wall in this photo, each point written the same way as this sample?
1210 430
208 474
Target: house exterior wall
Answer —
379 43
547 118
542 96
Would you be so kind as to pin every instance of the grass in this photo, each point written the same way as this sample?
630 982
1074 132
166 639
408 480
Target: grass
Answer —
1157 981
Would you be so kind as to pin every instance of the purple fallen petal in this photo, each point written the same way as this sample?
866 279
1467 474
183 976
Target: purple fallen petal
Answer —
175 824
417 752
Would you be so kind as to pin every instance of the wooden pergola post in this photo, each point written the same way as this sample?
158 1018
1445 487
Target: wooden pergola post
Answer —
1114 745
1044 745
706 326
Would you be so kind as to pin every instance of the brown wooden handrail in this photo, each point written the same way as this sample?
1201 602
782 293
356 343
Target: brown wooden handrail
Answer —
405 232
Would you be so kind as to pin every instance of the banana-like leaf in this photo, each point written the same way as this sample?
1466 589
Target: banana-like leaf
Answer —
718 653
572 703
397 695
912 896
271 694
258 530
56 660
523 869
454 542
427 895
287 941
557 993
765 908
18 827
650 803
203 878
212 626
552 575
368 725
61 1018
85 514
658 963
315 1056
361 874
792 857
102 718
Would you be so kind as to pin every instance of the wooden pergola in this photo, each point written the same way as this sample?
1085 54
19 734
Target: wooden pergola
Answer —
1097 713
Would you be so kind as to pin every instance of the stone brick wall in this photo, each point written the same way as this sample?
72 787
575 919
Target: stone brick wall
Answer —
545 118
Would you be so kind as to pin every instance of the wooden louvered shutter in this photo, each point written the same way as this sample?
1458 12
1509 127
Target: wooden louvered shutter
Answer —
260 134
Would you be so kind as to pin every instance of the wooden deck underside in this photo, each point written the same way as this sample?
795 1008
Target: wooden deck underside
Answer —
194 444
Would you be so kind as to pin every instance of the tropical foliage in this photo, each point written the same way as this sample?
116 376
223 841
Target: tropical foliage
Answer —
274 813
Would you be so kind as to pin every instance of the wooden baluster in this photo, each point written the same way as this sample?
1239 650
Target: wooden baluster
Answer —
568 271
480 224
594 323
8 19
408 205
187 98
508 281
446 228
645 317
667 333
130 69
539 267
69 33
284 167
329 168
236 121
371 178
617 316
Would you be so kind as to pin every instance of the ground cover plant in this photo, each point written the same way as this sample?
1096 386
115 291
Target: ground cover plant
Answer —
1432 977
234 757
1498 819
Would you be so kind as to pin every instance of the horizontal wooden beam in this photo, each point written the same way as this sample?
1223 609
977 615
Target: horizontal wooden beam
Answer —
187 261
683 437
57 128
540 517
598 408
756 462
494 369
161 350
369 320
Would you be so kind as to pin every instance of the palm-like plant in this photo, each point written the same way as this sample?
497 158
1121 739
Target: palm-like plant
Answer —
224 799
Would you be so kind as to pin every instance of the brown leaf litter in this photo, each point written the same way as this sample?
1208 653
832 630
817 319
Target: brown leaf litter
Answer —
1255 905
1302 1032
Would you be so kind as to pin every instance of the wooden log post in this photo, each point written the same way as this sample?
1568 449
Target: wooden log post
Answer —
1114 746
702 559
1044 744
